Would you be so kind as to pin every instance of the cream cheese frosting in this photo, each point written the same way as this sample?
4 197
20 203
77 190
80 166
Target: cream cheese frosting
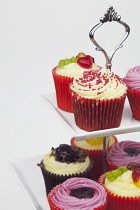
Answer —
123 185
62 168
62 198
132 78
99 85
93 144
73 69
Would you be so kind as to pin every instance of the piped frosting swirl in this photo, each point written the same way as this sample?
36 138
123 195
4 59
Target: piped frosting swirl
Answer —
132 78
63 199
99 84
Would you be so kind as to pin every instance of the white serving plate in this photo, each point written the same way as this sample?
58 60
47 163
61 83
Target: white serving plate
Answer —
31 180
128 124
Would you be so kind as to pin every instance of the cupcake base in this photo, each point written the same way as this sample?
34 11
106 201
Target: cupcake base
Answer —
63 95
116 202
51 179
92 115
134 101
97 157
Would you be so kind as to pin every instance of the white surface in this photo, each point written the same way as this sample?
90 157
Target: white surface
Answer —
128 123
31 180
34 35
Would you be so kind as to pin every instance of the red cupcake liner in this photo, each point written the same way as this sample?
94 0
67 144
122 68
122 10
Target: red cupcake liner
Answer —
116 202
111 166
97 157
134 101
54 207
63 95
92 115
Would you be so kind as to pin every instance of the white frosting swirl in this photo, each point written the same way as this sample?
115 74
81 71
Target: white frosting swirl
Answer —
73 69
99 85
123 185
50 164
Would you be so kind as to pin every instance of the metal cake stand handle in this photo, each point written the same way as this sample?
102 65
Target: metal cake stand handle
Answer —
110 16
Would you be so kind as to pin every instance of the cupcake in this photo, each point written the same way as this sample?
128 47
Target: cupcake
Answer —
64 73
123 188
94 147
65 162
132 80
122 153
98 100
78 193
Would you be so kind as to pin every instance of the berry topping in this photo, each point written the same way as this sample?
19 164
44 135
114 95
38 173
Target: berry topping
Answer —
85 62
69 154
83 192
132 166
136 177
66 61
111 176
131 152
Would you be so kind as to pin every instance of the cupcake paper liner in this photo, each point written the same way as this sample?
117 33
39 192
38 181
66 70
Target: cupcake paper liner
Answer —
63 95
92 115
134 101
116 202
97 157
51 179
54 207
111 166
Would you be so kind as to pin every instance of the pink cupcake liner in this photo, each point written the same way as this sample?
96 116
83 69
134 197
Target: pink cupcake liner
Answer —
116 202
97 157
63 95
134 101
92 115
54 207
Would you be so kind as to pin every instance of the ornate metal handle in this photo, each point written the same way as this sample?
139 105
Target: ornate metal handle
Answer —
110 16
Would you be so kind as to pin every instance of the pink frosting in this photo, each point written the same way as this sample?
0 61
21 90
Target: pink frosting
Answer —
132 78
117 155
63 199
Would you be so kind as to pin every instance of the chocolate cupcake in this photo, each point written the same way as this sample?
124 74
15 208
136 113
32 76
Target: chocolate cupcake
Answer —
65 162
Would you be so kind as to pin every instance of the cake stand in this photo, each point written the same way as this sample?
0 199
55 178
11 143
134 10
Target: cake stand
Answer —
128 124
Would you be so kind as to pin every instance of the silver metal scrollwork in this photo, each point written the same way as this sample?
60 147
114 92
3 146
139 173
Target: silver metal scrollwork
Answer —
110 16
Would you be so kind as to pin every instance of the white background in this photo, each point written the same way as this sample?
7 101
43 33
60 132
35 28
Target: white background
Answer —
34 36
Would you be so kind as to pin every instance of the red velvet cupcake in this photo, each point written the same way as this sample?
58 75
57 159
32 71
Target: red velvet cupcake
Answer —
98 100
132 81
94 147
63 75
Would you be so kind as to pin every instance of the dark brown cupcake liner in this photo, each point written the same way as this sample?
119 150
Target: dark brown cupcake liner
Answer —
92 115
97 157
54 207
116 202
52 179
63 95
134 101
